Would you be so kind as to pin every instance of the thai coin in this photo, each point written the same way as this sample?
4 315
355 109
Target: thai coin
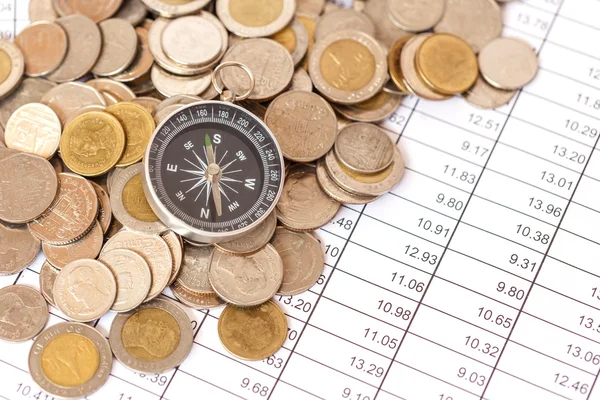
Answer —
67 98
197 301
138 125
362 184
179 100
31 90
28 186
294 38
411 77
104 209
18 248
475 21
195 269
310 25
303 123
341 20
254 240
117 89
24 313
63 7
364 148
334 191
159 116
149 103
508 63
175 244
192 40
12 67
96 10
154 250
71 216
119 47
187 241
255 18
170 85
109 98
447 64
129 204
153 338
88 246
304 206
177 8
484 95
70 360
143 61
270 63
133 11
85 290
253 333
132 275
416 16
394 64
41 10
111 176
34 128
310 7
385 31
348 67
114 228
48 276
85 43
246 280
376 109
93 143
44 46
303 260
301 81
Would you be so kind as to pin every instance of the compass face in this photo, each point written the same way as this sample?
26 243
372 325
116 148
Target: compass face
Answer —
213 170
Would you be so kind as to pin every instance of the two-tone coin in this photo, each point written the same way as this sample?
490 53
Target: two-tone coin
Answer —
12 67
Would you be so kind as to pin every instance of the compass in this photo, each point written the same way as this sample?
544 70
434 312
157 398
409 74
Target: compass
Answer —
213 171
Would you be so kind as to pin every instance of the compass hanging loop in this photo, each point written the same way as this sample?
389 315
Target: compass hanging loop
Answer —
228 95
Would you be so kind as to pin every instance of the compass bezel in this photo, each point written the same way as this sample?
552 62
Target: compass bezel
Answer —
181 227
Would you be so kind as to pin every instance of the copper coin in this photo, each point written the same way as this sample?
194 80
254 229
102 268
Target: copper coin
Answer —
28 187
96 10
104 209
41 10
143 61
85 43
18 248
44 45
31 90
88 246
72 215
24 313
119 47
385 30
48 276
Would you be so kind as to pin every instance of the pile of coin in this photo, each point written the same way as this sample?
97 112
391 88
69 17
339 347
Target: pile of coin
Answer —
71 173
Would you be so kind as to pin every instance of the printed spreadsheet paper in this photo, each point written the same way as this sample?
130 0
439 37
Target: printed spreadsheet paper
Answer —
478 277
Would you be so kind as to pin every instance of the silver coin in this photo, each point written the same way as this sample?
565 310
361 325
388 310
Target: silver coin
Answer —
85 44
133 11
247 280
129 204
88 247
508 63
18 248
254 240
48 276
301 81
68 98
255 18
484 95
385 31
197 301
334 191
171 85
343 19
152 339
133 277
294 38
153 249
310 7
415 16
70 360
192 40
24 313
364 148
85 290
168 10
12 67
31 90
159 116
376 109
194 269
119 47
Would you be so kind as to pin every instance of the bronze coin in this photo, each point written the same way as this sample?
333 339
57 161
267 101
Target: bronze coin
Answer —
44 45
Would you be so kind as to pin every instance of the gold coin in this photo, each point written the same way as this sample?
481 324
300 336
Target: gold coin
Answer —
253 333
394 63
447 64
286 38
135 201
141 345
92 143
255 13
138 125
347 65
70 360
5 66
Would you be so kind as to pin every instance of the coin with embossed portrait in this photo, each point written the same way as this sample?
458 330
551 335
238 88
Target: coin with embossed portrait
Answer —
28 186
23 313
152 339
304 206
246 280
71 216
253 333
85 290
12 67
44 45
70 360
18 248
364 148
34 128
348 66
193 40
255 18
138 125
195 268
88 246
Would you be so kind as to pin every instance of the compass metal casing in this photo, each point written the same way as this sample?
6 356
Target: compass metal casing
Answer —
164 135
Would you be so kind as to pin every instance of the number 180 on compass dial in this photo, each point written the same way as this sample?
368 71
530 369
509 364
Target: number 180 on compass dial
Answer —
213 171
